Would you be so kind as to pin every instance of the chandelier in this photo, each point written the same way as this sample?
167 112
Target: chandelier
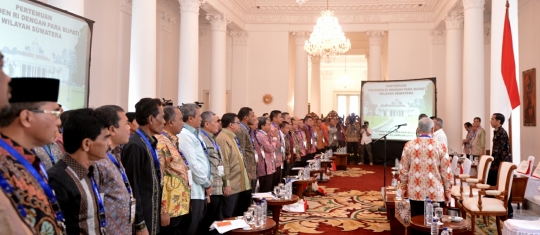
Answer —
345 79
300 2
327 38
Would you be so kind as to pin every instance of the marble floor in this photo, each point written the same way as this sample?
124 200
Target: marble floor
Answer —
531 214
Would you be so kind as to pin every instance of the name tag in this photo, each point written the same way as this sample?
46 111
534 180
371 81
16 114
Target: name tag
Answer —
282 149
132 210
256 157
190 177
263 154
305 144
323 140
221 170
274 155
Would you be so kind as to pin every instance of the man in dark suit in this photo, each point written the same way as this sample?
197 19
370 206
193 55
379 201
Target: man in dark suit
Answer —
142 165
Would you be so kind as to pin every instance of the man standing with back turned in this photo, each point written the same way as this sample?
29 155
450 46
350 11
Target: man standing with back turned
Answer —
425 169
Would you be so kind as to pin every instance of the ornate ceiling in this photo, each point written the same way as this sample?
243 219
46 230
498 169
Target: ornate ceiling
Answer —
245 12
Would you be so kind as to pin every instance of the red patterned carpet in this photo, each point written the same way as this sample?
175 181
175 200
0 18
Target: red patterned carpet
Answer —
350 206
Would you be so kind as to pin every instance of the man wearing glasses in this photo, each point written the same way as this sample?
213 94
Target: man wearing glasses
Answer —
31 121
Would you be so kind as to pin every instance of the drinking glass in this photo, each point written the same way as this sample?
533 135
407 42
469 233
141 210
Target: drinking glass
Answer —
277 191
439 212
248 217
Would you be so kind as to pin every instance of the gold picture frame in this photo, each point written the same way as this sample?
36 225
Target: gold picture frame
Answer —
529 97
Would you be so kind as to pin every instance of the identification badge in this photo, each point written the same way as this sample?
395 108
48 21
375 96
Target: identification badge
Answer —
221 170
323 140
282 166
305 144
132 210
263 154
335 137
256 157
190 177
282 149
275 156
312 141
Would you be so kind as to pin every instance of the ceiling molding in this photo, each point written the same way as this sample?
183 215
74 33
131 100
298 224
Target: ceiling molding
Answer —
343 18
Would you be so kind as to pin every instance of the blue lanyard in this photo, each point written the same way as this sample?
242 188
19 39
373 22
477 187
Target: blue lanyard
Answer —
152 151
50 153
179 151
48 191
124 177
213 143
424 136
238 143
9 191
102 219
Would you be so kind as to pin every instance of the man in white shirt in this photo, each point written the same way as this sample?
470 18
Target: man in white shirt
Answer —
439 134
365 143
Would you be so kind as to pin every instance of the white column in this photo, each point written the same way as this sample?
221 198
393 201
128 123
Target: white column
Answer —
375 55
473 61
73 6
453 81
301 75
218 78
438 55
142 64
315 103
188 74
239 70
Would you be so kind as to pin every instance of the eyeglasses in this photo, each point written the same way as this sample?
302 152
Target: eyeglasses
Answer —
53 112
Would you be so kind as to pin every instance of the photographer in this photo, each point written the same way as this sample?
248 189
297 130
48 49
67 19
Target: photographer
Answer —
365 143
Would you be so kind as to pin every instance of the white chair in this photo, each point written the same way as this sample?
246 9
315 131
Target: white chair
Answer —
497 206
521 227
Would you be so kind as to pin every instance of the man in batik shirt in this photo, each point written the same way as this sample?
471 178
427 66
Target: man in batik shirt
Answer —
31 121
425 169
115 186
176 192
500 152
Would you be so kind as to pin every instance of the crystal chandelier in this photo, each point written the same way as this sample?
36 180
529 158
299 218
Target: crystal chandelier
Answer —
327 38
345 79
300 2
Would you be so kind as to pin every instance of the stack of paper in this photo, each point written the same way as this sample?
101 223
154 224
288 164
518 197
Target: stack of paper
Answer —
263 195
228 225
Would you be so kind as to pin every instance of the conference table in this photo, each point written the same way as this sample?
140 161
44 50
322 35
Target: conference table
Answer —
266 229
276 205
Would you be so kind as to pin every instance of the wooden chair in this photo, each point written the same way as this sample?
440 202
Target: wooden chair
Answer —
457 191
497 206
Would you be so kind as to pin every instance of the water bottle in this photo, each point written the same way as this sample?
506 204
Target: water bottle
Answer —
258 216
434 227
425 208
429 213
450 231
445 231
264 207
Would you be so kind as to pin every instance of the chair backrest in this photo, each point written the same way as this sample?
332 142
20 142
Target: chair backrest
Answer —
505 177
531 164
454 164
483 166
467 166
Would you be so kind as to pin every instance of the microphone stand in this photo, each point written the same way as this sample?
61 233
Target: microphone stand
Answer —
383 208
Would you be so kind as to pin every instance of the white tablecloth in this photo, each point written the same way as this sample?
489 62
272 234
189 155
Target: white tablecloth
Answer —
521 227
532 189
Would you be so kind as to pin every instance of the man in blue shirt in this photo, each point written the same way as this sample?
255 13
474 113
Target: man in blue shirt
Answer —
195 151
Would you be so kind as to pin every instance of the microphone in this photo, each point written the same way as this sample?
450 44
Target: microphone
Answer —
400 125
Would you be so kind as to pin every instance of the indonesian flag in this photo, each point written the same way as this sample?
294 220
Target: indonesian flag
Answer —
508 65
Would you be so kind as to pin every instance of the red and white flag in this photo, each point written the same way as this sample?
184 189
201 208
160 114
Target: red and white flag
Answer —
508 64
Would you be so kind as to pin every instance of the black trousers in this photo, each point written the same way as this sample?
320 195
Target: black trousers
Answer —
352 147
173 227
244 201
286 170
265 183
253 183
213 213
228 205
276 178
197 211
